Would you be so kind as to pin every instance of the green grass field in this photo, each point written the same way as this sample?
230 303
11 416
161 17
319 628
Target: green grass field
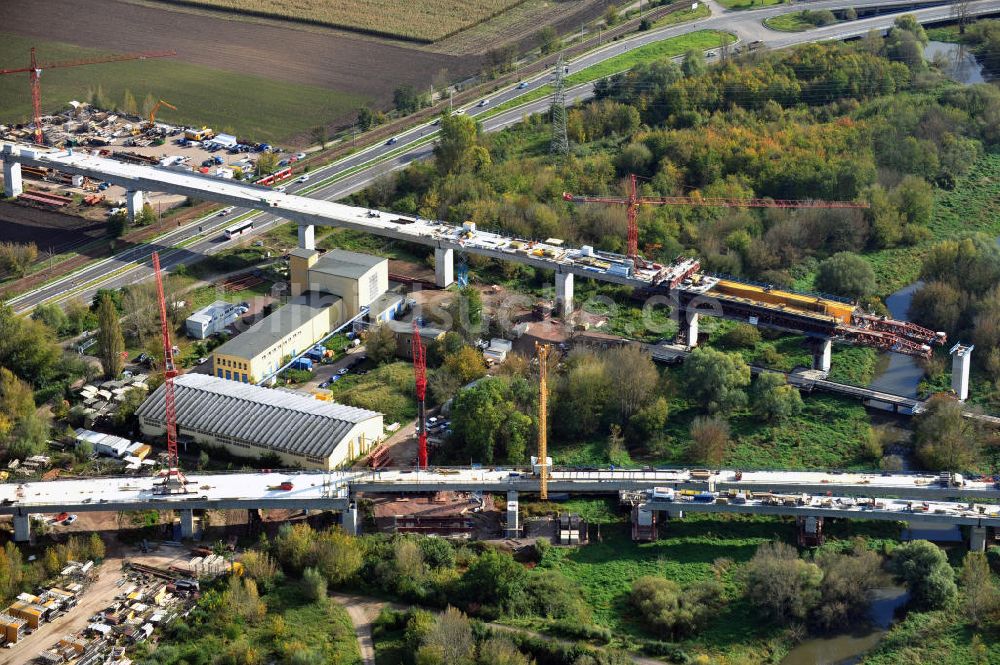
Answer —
793 22
668 48
749 4
684 15
251 106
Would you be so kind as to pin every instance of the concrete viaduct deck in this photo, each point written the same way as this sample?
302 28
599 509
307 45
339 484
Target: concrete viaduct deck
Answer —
335 491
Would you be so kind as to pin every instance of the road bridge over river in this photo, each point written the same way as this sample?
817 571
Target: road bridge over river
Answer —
956 503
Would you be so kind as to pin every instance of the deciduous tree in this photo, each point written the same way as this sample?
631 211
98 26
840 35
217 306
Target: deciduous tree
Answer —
924 568
846 274
110 343
717 379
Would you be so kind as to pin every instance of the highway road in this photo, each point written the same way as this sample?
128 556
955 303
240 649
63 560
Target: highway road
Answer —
203 237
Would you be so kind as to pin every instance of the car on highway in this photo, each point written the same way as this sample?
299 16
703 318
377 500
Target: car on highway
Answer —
392 141
280 188
437 121
483 103
458 112
522 85
225 211
303 178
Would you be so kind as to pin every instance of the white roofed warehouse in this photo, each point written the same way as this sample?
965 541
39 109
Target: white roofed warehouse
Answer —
251 421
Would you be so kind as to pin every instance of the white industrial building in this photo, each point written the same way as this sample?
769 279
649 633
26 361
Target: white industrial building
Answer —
252 421
211 319
109 445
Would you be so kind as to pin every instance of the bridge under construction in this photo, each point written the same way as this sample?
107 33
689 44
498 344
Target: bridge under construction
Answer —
680 284
914 498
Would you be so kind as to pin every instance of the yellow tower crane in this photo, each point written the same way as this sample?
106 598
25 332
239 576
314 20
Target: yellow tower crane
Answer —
543 419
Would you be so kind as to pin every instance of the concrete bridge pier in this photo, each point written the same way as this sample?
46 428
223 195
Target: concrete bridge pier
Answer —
691 318
22 527
822 354
513 517
349 520
12 183
961 359
134 201
977 539
444 267
307 236
187 524
564 294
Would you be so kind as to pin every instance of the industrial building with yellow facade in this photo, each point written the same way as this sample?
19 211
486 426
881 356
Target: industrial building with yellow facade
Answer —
327 290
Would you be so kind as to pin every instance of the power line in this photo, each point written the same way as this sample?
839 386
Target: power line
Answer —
560 141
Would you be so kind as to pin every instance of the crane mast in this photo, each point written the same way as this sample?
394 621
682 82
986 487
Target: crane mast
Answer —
34 71
420 376
173 480
543 419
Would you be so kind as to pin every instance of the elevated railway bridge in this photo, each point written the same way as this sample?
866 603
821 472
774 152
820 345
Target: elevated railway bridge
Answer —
686 288
915 498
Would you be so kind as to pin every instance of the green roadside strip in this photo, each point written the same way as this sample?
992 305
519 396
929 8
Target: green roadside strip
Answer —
701 40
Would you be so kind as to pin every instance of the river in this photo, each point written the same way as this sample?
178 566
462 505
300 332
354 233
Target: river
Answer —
956 61
848 649
896 373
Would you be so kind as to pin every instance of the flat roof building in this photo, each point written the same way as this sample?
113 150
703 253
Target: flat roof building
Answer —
211 319
357 278
403 330
288 331
249 420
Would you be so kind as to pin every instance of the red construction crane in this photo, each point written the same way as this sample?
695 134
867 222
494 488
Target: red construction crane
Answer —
173 480
420 374
633 201
35 72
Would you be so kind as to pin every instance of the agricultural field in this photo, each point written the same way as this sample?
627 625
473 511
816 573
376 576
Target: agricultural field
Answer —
283 78
254 106
422 21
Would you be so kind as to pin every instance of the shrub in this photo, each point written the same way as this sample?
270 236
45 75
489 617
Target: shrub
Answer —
665 607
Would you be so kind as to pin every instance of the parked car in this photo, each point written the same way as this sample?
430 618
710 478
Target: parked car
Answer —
300 155
342 371
61 517
70 519
202 360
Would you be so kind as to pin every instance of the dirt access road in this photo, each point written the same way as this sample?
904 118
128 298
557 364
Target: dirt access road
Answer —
98 596
323 57
363 611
